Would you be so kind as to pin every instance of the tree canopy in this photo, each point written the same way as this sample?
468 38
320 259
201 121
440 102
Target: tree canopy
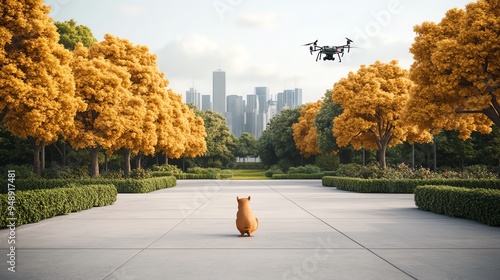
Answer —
38 91
456 70
304 132
373 100
71 34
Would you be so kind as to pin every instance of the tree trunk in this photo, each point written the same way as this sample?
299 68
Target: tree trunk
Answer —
381 159
42 150
94 161
138 159
126 166
36 158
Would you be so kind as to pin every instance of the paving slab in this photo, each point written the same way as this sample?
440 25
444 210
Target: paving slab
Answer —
306 231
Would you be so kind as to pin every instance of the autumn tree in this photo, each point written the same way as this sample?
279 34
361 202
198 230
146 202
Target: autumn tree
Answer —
146 83
373 100
196 144
456 70
180 132
304 132
37 99
70 34
103 87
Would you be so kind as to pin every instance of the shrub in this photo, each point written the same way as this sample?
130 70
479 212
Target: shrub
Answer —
167 168
122 185
401 185
195 176
482 205
298 176
139 173
308 169
273 170
327 162
35 205
22 171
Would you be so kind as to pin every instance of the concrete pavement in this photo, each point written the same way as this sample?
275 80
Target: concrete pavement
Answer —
306 231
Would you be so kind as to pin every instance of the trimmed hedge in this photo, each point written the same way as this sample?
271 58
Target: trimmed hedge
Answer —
402 185
481 205
35 205
122 185
210 176
298 176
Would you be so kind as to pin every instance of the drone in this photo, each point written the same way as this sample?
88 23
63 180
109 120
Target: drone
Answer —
329 51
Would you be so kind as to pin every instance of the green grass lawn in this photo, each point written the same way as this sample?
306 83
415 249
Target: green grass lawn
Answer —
249 174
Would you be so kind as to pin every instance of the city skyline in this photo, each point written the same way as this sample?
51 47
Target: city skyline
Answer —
243 112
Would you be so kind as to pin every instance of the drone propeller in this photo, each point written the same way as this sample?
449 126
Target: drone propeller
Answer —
312 43
311 48
349 41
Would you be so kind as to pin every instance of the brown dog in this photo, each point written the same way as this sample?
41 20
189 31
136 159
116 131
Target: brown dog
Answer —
245 220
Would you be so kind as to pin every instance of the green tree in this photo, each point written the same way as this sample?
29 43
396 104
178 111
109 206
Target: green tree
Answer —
327 143
246 146
71 34
276 145
220 142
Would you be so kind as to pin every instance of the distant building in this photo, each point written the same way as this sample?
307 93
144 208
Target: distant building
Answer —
262 94
193 97
206 103
219 91
235 114
251 114
289 98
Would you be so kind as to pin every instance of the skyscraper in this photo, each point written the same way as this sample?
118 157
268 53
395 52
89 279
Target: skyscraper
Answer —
251 114
219 91
206 103
234 116
262 94
193 97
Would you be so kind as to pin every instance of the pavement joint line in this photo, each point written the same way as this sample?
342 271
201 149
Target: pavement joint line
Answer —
145 248
348 237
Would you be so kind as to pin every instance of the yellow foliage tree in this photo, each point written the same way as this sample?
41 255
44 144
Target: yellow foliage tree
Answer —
146 83
37 100
172 127
456 70
374 99
103 87
304 132
180 132
196 144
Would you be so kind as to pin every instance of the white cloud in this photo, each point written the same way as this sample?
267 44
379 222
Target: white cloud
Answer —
131 10
259 21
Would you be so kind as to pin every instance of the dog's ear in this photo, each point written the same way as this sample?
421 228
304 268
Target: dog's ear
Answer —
237 198
248 198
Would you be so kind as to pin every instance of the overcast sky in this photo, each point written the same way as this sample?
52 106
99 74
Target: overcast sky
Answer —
258 42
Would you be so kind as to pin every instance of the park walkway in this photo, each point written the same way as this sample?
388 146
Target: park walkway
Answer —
306 231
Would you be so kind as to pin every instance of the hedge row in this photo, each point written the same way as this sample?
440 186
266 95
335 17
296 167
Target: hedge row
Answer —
482 205
402 185
211 176
122 185
35 205
298 176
